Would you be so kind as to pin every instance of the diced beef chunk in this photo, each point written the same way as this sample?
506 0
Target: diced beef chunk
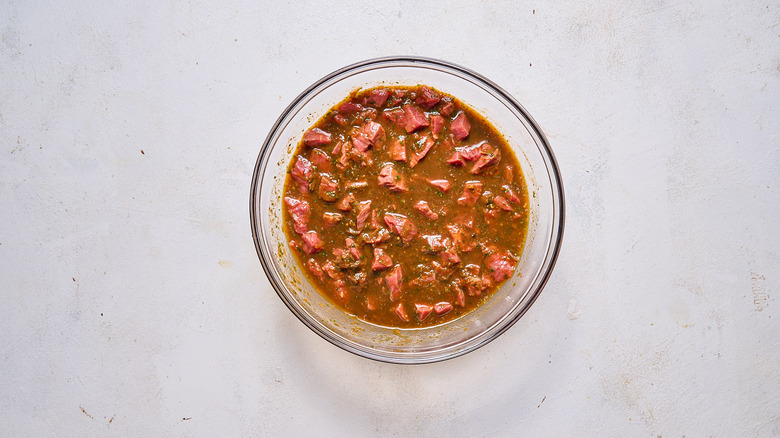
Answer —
422 310
381 260
501 203
367 114
489 156
328 189
475 284
450 256
344 259
346 203
374 220
425 144
442 308
508 174
396 115
401 225
321 159
345 155
332 271
393 281
341 291
316 137
442 272
425 210
362 157
460 296
398 150
427 98
471 192
433 243
311 242
511 196
363 213
437 124
447 107
330 219
401 312
370 134
461 238
300 211
340 119
352 247
375 236
400 92
315 269
424 276
373 132
501 265
471 153
350 107
456 159
414 119
379 96
389 177
460 126
441 184
302 171
358 278
359 143
339 254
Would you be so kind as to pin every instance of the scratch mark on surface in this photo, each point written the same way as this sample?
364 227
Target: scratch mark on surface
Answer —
86 413
758 284
186 418
540 403
572 312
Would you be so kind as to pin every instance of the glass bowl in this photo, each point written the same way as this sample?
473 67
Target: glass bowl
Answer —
454 338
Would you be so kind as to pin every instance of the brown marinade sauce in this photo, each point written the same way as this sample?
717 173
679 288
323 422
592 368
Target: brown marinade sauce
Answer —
405 207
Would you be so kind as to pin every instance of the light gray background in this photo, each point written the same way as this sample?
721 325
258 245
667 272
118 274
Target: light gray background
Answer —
132 302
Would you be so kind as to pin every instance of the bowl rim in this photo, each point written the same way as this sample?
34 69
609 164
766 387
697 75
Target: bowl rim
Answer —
555 176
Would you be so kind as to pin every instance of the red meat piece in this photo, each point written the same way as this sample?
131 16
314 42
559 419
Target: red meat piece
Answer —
460 126
316 137
311 242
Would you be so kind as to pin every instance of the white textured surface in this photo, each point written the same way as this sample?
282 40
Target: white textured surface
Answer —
132 302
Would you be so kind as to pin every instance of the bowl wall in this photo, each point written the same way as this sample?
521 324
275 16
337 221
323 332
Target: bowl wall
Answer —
468 332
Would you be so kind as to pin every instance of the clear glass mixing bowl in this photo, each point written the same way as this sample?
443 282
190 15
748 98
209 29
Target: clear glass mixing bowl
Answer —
409 346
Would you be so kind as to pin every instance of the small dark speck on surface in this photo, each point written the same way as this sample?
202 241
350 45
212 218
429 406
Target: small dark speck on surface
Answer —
142 152
73 278
534 11
186 418
101 314
86 413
